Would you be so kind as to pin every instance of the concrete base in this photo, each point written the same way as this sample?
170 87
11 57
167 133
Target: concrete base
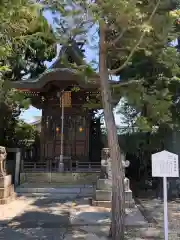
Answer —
8 199
103 195
66 178
6 190
5 181
103 184
107 204
107 195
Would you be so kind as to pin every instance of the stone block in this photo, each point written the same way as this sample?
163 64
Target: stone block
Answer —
6 192
106 195
34 177
6 189
103 195
5 181
103 184
62 178
107 204
129 201
8 199
128 196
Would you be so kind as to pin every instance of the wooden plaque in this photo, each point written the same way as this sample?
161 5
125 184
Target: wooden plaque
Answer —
66 99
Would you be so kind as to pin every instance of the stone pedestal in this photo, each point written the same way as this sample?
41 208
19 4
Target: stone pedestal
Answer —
7 193
103 194
6 187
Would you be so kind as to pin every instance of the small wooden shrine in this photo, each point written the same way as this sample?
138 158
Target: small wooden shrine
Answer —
60 91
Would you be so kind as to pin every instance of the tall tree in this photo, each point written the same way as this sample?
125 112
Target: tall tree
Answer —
155 102
125 27
26 42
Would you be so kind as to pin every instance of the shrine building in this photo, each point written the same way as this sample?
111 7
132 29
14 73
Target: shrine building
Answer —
68 127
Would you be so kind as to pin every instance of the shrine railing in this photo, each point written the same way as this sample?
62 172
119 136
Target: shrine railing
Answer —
51 166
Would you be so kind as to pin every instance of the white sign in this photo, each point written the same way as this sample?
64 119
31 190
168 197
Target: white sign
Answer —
165 164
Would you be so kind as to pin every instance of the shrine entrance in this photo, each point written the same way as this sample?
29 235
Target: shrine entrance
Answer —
75 140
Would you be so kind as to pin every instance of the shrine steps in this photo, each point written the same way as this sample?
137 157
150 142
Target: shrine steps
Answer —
55 191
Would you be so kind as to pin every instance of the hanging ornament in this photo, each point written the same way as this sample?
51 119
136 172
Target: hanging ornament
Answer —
57 129
80 129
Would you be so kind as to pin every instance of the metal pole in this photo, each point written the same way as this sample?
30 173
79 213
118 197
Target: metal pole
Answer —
62 127
165 209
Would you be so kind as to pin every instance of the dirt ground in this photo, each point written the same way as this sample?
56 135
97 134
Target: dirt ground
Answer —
153 211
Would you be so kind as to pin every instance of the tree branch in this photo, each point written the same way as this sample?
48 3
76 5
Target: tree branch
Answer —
117 39
124 84
114 71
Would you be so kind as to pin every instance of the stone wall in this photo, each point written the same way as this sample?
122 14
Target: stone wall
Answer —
62 178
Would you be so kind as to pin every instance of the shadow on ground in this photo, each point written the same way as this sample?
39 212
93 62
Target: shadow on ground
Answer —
46 219
37 222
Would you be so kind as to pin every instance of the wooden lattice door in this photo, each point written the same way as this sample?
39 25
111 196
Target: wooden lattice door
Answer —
75 137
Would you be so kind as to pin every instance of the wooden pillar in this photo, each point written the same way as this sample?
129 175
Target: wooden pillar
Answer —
42 134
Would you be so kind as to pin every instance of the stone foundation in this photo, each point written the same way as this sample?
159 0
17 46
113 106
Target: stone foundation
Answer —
103 195
60 178
7 193
5 181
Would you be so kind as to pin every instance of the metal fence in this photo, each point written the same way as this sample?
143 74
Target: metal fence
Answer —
53 166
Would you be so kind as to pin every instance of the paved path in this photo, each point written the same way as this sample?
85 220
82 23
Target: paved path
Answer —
43 218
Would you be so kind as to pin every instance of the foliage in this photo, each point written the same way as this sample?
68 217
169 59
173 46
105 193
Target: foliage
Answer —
26 42
156 97
26 37
155 100
25 134
19 133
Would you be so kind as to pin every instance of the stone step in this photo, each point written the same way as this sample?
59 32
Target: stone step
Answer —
55 192
62 190
59 196
105 204
54 185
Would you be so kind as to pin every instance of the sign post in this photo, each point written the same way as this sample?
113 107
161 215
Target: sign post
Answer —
165 208
165 164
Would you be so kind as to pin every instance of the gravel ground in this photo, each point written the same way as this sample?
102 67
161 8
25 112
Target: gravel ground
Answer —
153 212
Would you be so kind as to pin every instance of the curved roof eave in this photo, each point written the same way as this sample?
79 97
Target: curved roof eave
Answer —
56 74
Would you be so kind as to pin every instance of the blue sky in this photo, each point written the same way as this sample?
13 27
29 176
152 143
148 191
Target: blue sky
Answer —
91 54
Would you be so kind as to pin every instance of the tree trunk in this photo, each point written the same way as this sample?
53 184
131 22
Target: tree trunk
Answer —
118 206
3 92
